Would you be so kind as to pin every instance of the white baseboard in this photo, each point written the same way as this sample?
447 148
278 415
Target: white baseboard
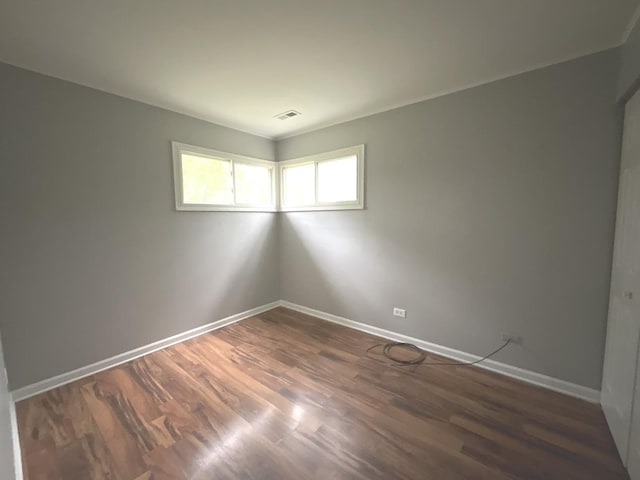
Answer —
72 376
528 376
17 457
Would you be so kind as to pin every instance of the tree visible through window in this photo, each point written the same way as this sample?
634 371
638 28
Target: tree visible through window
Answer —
211 180
206 181
327 181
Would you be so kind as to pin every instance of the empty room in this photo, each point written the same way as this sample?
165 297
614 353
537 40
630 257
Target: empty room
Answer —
320 239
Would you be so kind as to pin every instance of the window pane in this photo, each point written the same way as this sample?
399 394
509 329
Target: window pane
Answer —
299 185
338 180
206 180
253 184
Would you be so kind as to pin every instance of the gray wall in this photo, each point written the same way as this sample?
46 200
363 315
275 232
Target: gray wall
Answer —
488 210
630 65
6 440
95 259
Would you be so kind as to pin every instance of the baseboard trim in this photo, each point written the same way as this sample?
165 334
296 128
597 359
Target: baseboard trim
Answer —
59 380
15 438
528 376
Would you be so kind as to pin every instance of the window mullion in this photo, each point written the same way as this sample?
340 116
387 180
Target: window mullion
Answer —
315 187
233 181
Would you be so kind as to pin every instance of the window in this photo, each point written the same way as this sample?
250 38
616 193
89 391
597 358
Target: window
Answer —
327 181
211 180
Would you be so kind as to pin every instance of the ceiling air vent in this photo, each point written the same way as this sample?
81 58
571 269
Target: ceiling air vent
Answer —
287 115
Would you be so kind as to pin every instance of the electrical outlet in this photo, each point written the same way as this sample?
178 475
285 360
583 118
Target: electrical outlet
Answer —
399 312
515 339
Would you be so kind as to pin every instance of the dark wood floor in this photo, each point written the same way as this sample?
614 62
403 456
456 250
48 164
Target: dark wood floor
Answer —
285 396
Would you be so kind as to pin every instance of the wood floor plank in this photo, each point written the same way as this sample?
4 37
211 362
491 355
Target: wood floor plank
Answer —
116 428
286 396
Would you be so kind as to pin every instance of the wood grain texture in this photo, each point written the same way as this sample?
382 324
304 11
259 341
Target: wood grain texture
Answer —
285 396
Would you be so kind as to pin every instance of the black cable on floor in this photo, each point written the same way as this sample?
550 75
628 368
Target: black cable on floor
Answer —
422 356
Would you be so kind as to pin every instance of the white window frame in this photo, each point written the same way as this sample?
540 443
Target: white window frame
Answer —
358 204
180 148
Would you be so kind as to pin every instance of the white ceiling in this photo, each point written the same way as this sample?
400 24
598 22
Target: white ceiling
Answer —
240 62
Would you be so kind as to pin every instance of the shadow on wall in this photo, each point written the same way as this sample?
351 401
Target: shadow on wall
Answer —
233 277
349 271
216 262
197 268
358 276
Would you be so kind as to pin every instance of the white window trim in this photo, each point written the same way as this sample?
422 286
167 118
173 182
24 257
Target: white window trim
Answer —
180 148
357 150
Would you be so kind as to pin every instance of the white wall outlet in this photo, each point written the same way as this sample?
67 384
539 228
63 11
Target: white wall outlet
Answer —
514 339
399 312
